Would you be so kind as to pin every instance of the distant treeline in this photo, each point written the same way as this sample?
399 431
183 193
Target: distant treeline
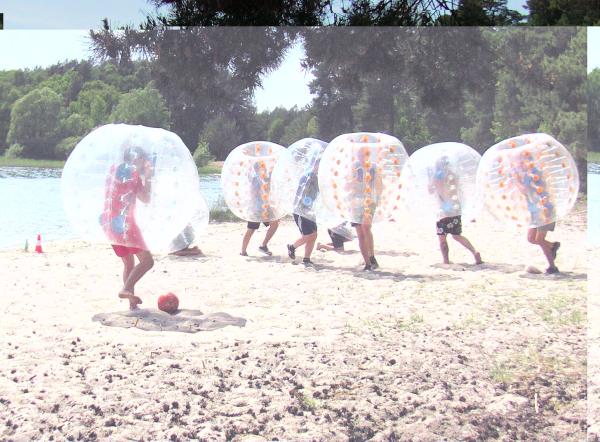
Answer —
475 85
594 110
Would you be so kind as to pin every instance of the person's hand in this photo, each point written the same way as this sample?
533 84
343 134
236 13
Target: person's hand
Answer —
148 170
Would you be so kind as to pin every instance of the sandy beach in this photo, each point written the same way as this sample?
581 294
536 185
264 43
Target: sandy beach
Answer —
267 350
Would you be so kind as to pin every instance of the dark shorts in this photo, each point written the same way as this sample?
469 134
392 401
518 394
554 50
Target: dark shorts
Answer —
449 226
305 225
546 228
255 226
123 251
336 239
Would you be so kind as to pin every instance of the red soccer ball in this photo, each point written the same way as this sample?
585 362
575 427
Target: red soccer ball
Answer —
168 303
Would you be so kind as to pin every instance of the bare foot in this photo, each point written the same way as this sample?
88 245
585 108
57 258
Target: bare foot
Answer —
133 300
478 258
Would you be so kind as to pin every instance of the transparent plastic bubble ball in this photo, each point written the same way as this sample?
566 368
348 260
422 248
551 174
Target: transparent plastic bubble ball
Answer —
194 228
328 220
359 177
295 177
528 181
438 181
132 186
246 181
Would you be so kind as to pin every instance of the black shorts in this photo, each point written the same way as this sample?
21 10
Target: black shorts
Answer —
255 226
336 239
305 225
449 226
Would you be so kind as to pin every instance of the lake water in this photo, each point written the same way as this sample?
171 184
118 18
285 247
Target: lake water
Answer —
593 187
31 203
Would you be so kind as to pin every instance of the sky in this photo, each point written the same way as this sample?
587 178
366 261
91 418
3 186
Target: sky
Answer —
40 33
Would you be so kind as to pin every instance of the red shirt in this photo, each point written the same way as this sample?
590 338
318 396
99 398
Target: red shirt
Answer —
123 184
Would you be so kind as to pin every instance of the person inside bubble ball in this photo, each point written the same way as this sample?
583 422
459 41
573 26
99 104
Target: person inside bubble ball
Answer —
260 186
444 183
366 191
307 191
126 183
529 180
337 240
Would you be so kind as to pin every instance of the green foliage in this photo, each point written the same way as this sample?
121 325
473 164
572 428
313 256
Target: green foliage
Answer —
14 151
221 134
202 154
35 121
297 128
563 12
64 148
95 101
76 124
142 106
594 110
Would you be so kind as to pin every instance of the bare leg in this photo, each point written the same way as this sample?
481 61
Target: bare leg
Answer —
467 244
444 248
363 245
546 247
302 240
145 264
534 236
246 240
273 225
128 264
369 237
310 244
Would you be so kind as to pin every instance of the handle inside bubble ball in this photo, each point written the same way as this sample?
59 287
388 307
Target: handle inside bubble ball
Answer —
153 164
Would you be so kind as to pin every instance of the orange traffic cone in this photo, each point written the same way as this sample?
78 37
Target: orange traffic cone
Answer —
38 246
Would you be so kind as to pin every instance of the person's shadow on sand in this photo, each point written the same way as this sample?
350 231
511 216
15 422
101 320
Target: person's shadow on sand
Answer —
186 321
462 267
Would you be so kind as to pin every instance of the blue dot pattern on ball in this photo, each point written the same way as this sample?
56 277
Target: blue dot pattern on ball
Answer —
307 201
446 206
117 224
124 172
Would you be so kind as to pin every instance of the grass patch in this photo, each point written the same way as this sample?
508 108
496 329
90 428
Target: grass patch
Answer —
501 373
222 215
307 403
28 162
411 324
214 167
530 371
558 310
593 157
471 321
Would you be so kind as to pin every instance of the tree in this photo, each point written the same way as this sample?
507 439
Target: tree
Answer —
328 12
563 12
142 106
221 135
594 110
95 101
542 87
202 72
35 121
75 125
237 12
481 13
